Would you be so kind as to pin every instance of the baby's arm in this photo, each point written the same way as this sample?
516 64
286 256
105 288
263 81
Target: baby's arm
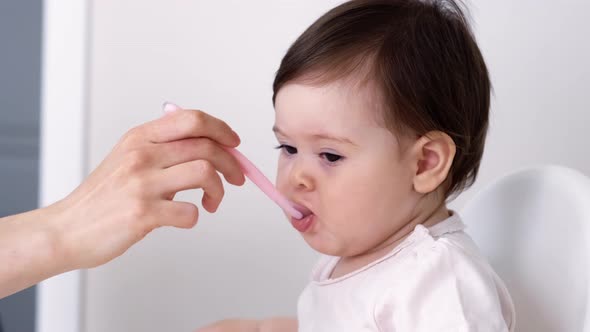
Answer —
278 324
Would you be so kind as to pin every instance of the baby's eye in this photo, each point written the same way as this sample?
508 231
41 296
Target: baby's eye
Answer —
330 157
287 149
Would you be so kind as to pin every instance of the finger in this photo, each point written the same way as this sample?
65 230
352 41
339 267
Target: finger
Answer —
188 124
192 175
177 214
178 152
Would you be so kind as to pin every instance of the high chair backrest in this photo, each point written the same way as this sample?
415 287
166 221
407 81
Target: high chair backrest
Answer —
534 227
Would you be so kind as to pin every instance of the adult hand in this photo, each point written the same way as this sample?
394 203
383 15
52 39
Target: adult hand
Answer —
128 195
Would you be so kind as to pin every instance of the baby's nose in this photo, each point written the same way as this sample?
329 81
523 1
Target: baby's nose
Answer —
300 176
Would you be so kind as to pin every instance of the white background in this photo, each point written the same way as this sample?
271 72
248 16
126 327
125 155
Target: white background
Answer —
220 56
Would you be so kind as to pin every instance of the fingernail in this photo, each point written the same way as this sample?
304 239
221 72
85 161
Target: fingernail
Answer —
169 107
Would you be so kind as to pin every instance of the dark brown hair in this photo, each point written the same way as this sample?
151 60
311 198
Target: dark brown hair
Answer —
424 60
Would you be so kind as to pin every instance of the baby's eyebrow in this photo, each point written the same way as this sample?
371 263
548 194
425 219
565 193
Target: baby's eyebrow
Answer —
333 138
277 130
319 136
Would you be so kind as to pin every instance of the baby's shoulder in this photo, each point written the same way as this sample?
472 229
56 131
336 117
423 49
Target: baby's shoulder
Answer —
444 272
446 255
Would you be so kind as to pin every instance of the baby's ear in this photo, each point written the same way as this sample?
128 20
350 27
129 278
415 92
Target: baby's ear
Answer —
434 153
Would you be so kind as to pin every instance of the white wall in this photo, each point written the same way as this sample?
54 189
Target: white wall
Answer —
220 56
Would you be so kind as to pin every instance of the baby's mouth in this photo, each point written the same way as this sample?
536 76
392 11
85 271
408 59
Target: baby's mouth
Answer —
304 211
304 224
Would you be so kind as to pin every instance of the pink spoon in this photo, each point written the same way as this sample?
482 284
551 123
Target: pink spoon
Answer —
254 174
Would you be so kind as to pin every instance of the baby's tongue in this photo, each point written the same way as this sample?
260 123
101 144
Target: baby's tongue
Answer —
305 211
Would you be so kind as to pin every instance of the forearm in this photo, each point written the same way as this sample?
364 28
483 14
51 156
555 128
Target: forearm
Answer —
28 251
278 324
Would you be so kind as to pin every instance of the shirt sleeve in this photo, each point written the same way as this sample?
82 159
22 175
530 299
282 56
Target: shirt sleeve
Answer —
445 290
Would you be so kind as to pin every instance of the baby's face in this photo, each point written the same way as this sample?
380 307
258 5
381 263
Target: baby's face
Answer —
341 163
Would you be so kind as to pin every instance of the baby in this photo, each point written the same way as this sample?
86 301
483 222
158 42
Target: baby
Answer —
381 118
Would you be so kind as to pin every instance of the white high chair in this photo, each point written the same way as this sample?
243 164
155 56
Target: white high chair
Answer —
534 227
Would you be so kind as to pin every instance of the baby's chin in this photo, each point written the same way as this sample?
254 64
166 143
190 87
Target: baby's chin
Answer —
327 246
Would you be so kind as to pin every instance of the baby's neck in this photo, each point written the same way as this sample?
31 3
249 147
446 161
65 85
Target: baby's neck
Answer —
347 265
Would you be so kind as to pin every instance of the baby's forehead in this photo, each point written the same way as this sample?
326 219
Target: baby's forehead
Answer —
349 94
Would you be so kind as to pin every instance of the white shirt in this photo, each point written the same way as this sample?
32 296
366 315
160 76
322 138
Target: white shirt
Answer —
434 281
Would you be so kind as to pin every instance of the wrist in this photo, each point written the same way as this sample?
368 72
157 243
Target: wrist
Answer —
58 221
47 225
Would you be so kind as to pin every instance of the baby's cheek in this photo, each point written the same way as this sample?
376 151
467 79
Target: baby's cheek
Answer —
281 180
345 200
